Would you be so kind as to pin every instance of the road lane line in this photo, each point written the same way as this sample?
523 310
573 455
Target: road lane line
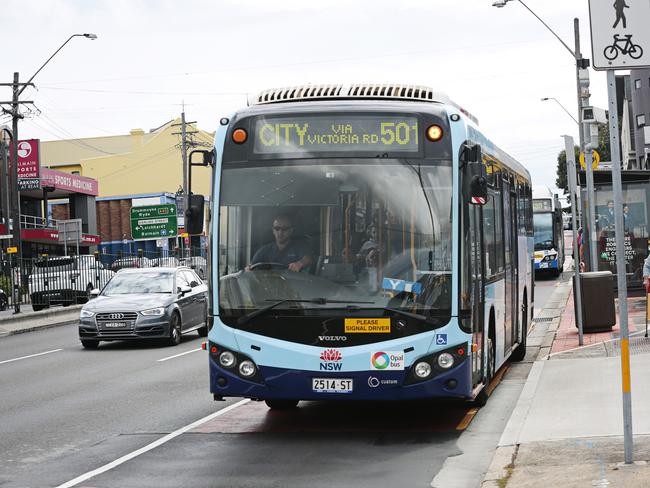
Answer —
30 356
178 355
149 447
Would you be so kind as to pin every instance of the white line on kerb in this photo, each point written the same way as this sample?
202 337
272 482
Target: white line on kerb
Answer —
178 355
30 356
149 447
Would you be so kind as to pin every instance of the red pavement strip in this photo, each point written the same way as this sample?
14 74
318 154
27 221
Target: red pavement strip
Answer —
566 336
256 417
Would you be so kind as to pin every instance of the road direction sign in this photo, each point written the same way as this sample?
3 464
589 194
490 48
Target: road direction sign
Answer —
595 160
620 38
154 222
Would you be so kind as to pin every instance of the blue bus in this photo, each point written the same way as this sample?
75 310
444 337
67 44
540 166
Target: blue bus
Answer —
367 242
548 231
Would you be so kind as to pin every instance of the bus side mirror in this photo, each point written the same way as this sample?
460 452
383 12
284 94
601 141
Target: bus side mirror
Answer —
475 189
478 190
194 214
207 158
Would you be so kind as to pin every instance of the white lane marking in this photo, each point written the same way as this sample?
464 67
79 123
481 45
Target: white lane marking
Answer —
149 447
178 355
30 356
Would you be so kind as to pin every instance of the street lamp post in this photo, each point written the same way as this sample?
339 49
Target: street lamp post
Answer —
12 189
562 106
582 83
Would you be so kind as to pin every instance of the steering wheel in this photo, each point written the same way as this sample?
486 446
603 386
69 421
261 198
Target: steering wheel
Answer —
267 266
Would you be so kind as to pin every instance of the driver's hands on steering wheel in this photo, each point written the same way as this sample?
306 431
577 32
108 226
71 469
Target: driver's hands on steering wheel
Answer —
296 267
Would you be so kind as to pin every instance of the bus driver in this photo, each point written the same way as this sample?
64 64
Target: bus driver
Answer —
293 253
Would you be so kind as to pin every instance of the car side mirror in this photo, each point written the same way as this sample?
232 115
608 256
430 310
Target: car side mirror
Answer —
185 289
94 293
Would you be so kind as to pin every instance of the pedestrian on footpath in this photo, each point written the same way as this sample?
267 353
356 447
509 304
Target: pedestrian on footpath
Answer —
646 272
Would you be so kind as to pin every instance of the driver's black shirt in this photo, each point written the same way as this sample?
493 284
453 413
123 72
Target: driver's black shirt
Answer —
269 253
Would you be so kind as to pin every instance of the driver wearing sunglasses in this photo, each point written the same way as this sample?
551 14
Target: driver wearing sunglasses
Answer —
293 253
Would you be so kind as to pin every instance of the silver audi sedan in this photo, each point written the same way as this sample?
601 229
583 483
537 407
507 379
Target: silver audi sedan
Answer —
146 303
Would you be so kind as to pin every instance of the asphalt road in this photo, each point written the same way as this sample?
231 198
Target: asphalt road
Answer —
65 412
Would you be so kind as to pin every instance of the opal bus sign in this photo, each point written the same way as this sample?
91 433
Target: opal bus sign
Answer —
154 222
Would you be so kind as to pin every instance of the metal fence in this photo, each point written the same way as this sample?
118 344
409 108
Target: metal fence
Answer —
67 280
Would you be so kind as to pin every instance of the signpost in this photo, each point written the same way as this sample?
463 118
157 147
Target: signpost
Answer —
69 231
29 164
620 39
595 161
153 222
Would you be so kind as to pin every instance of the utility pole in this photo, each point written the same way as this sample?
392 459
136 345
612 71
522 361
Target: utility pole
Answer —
184 154
12 182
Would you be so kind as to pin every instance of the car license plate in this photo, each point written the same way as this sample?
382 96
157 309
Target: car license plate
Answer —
331 385
114 325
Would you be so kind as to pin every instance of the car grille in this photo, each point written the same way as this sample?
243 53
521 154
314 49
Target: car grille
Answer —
116 322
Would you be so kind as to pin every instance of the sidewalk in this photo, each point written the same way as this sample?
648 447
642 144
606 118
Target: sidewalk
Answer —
567 427
28 320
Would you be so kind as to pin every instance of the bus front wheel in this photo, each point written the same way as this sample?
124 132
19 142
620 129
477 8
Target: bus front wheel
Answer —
281 404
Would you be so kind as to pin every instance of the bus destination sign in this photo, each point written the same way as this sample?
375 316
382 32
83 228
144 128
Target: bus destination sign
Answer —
336 133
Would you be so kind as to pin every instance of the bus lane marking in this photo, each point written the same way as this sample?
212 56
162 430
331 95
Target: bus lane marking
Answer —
178 355
150 446
30 356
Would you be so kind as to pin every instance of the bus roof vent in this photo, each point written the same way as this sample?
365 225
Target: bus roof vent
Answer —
414 93
297 93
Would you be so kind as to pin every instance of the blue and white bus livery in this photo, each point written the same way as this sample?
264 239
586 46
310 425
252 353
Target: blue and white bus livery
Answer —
406 289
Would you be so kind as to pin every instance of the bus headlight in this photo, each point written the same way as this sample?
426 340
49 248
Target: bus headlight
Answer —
422 370
445 360
247 368
227 359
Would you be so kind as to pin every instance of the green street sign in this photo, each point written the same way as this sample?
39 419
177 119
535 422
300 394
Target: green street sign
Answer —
154 222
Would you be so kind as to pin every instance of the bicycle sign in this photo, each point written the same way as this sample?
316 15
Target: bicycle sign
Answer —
620 38
624 46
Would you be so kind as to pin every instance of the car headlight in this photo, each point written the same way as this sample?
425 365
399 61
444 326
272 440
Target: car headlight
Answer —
158 311
86 314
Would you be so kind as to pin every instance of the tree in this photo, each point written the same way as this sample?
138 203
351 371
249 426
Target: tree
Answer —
603 150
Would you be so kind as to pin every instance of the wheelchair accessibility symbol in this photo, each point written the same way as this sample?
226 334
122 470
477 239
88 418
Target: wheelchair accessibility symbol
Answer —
441 339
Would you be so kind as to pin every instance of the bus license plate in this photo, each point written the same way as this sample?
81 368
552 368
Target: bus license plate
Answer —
331 385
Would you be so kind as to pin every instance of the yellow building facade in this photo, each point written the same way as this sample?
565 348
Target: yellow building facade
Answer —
134 164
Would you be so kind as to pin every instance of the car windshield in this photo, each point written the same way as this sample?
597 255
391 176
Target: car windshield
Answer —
375 232
138 283
543 230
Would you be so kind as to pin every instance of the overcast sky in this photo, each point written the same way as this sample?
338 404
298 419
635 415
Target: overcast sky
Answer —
152 56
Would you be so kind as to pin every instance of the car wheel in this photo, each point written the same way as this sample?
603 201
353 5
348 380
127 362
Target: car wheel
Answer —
90 344
174 330
281 404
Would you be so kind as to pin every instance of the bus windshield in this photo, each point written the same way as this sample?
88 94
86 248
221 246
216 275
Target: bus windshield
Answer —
543 231
367 234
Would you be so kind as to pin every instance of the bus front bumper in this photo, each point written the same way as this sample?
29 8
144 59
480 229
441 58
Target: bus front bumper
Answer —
294 384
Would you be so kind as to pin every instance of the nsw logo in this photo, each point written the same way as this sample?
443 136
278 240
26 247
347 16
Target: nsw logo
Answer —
330 360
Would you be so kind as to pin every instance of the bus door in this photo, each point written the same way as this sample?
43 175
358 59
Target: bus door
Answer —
510 247
477 271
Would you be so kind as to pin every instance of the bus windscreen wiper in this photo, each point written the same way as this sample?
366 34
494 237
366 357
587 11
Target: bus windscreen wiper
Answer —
417 316
244 319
